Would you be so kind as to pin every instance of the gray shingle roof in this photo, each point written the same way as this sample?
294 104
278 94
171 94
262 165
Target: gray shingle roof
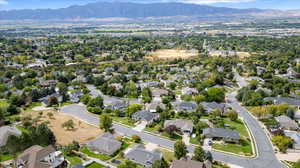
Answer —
184 125
210 106
144 115
296 138
105 144
186 106
221 133
283 100
142 156
286 122
7 131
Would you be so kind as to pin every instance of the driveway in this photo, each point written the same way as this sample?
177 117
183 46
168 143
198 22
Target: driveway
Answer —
140 127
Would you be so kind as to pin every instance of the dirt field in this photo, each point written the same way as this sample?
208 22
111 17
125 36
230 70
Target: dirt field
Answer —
82 132
170 54
243 54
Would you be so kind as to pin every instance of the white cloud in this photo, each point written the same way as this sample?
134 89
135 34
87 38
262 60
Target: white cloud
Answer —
2 2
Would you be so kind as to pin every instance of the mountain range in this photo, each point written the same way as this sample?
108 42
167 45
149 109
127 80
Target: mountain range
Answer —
128 10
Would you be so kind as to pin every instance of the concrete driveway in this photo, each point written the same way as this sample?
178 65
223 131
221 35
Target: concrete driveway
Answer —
140 127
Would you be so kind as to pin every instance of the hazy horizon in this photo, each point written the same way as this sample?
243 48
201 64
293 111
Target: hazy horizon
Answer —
55 4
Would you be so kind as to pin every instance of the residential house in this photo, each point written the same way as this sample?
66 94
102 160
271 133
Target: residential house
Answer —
185 126
117 86
211 106
221 133
75 96
189 91
140 155
40 157
81 79
105 144
283 100
5 132
48 83
185 106
291 73
188 163
150 84
114 103
152 107
295 136
159 92
46 100
145 116
287 123
297 115
260 70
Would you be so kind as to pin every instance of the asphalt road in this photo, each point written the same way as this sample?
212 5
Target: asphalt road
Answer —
265 159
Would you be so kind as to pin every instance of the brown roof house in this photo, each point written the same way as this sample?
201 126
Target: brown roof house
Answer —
40 157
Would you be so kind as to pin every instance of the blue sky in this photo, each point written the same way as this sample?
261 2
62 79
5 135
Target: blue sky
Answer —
264 4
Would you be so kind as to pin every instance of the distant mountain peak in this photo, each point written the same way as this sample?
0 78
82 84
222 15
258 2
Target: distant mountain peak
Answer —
117 9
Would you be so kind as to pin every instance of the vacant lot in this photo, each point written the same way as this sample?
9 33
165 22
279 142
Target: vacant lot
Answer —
170 54
81 133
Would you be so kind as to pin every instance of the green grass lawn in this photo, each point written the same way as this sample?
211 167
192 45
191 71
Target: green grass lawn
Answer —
95 165
168 155
174 138
103 157
124 120
239 126
194 141
74 160
5 157
22 129
4 104
153 129
32 105
244 148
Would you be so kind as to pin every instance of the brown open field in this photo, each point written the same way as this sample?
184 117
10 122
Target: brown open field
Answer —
82 132
243 54
170 54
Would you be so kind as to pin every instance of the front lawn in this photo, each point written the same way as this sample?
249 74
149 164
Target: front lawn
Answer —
124 120
244 148
168 155
174 138
153 129
74 160
32 105
95 165
239 126
195 141
100 156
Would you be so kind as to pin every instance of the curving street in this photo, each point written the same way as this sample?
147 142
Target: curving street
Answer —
265 154
266 157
